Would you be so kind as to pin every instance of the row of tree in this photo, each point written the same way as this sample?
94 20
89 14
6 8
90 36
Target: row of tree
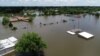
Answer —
51 10
69 10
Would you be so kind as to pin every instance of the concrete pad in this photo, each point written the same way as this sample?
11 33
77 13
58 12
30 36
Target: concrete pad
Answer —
86 35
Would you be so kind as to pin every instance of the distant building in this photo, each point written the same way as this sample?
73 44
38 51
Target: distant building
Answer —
1 19
97 12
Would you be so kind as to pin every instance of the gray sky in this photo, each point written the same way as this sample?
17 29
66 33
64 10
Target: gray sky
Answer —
49 2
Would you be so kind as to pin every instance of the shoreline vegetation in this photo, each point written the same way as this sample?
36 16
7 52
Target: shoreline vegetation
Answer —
30 11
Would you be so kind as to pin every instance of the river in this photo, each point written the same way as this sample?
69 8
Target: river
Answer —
58 41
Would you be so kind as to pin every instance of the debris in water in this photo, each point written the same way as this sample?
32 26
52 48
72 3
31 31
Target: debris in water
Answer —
44 24
64 21
51 23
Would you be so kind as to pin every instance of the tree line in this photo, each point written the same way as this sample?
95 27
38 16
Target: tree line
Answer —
52 10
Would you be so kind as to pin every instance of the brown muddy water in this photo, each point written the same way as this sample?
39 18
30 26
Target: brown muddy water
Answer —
54 34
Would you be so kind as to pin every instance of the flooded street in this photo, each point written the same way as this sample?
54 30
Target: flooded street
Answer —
53 31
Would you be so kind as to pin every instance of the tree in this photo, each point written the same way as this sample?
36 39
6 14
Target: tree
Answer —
5 21
97 15
10 24
30 19
30 45
14 28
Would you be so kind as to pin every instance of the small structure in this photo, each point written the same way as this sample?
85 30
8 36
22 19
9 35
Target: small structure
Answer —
81 33
6 45
1 19
86 35
70 32
74 31
97 12
12 39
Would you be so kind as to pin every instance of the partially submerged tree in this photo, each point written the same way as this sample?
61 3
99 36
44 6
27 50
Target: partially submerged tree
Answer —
97 15
14 28
30 45
31 19
10 24
5 21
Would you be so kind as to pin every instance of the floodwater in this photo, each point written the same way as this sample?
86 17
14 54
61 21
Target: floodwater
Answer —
53 31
